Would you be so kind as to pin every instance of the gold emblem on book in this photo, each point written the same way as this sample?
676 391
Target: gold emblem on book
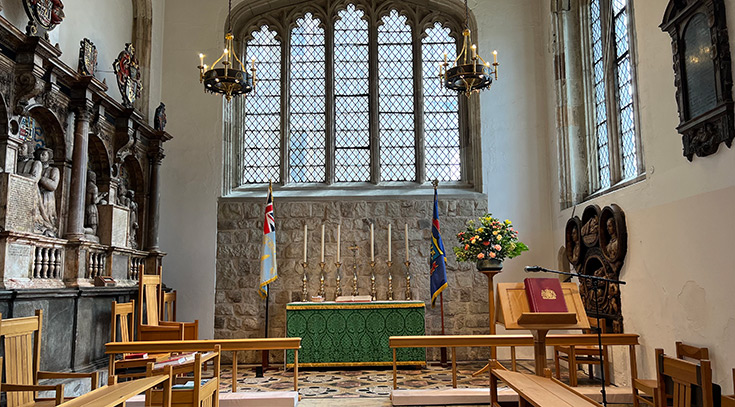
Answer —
548 294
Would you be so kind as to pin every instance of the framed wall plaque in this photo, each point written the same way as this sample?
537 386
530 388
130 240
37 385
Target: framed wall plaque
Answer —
702 74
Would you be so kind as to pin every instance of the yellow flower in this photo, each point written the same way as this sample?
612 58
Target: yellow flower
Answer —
495 233
480 230
507 221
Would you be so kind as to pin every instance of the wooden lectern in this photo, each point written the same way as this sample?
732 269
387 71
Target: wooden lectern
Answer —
514 313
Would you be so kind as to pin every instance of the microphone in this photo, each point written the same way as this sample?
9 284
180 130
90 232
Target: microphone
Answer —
533 269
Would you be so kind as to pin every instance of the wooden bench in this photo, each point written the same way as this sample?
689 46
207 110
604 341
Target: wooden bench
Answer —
117 393
233 345
535 390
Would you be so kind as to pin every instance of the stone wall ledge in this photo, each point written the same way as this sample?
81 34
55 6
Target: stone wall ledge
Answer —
355 191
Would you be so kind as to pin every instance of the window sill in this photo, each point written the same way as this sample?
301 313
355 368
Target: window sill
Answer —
620 185
354 191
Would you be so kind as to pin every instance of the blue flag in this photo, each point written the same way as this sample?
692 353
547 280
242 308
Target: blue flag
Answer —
438 273
268 267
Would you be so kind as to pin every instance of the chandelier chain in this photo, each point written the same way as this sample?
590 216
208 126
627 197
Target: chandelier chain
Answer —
466 15
229 17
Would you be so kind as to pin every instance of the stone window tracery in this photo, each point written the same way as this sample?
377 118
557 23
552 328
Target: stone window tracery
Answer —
349 94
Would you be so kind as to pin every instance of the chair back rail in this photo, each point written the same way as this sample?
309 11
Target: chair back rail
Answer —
22 340
168 306
685 351
123 317
685 376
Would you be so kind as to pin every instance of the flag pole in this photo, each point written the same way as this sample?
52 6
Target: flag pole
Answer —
443 349
265 353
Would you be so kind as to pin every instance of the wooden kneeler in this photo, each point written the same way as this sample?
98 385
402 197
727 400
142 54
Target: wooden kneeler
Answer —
515 314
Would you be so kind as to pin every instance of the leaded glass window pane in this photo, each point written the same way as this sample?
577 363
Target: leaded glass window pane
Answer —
395 93
261 130
598 70
625 91
441 109
351 97
307 102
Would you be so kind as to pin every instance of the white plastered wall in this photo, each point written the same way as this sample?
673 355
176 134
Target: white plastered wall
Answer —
681 227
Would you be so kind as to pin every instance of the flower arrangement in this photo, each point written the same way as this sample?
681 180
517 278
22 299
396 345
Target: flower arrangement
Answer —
488 238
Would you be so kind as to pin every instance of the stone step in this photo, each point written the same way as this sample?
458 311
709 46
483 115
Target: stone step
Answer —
244 399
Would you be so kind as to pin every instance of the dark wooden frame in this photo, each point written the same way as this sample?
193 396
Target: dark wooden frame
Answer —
702 134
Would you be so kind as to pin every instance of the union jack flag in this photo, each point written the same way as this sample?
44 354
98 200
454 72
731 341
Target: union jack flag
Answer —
268 266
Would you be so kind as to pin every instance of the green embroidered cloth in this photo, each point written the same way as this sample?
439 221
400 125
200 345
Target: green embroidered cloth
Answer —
354 334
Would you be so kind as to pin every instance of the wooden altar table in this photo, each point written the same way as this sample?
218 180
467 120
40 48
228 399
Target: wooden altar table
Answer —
356 333
234 345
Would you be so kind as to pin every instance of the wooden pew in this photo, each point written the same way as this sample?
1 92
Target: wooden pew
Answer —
117 393
233 345
459 341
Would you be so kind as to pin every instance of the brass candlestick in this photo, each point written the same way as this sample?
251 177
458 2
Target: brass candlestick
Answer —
304 292
408 280
390 281
354 269
338 291
373 289
321 280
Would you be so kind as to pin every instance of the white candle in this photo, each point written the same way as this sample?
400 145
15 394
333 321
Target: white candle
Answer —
339 234
372 243
474 52
389 243
405 235
201 59
306 228
322 243
495 57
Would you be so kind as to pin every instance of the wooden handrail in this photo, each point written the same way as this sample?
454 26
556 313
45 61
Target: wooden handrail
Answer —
203 345
234 345
459 341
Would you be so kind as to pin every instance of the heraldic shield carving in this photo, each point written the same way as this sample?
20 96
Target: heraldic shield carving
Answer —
127 71
87 57
46 13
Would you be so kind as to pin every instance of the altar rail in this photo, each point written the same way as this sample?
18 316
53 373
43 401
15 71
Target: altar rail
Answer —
233 345
459 341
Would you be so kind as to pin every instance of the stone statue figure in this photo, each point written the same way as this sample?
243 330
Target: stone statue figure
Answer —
122 195
159 120
46 219
133 206
612 244
92 199
28 166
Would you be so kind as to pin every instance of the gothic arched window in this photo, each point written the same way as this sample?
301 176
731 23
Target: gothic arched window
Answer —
349 94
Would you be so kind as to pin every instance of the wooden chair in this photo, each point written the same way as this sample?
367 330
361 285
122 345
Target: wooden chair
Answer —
645 390
582 355
123 317
22 340
168 306
729 401
154 328
203 393
689 383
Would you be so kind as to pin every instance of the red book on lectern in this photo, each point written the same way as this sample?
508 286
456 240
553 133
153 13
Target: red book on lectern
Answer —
545 295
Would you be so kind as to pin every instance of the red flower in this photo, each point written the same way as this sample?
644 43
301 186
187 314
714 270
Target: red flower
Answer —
486 243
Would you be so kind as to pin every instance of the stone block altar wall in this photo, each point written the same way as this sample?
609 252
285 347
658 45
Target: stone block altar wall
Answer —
239 310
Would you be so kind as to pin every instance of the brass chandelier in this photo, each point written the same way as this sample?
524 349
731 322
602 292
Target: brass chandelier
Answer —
470 73
232 78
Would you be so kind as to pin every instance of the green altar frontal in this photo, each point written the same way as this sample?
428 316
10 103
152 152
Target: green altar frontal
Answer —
354 334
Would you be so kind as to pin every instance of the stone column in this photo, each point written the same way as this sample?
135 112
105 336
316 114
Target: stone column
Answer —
155 158
75 224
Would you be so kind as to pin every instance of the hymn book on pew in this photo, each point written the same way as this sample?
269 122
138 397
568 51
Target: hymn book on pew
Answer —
544 295
179 359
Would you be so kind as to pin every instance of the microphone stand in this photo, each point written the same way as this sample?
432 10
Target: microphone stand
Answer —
595 280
